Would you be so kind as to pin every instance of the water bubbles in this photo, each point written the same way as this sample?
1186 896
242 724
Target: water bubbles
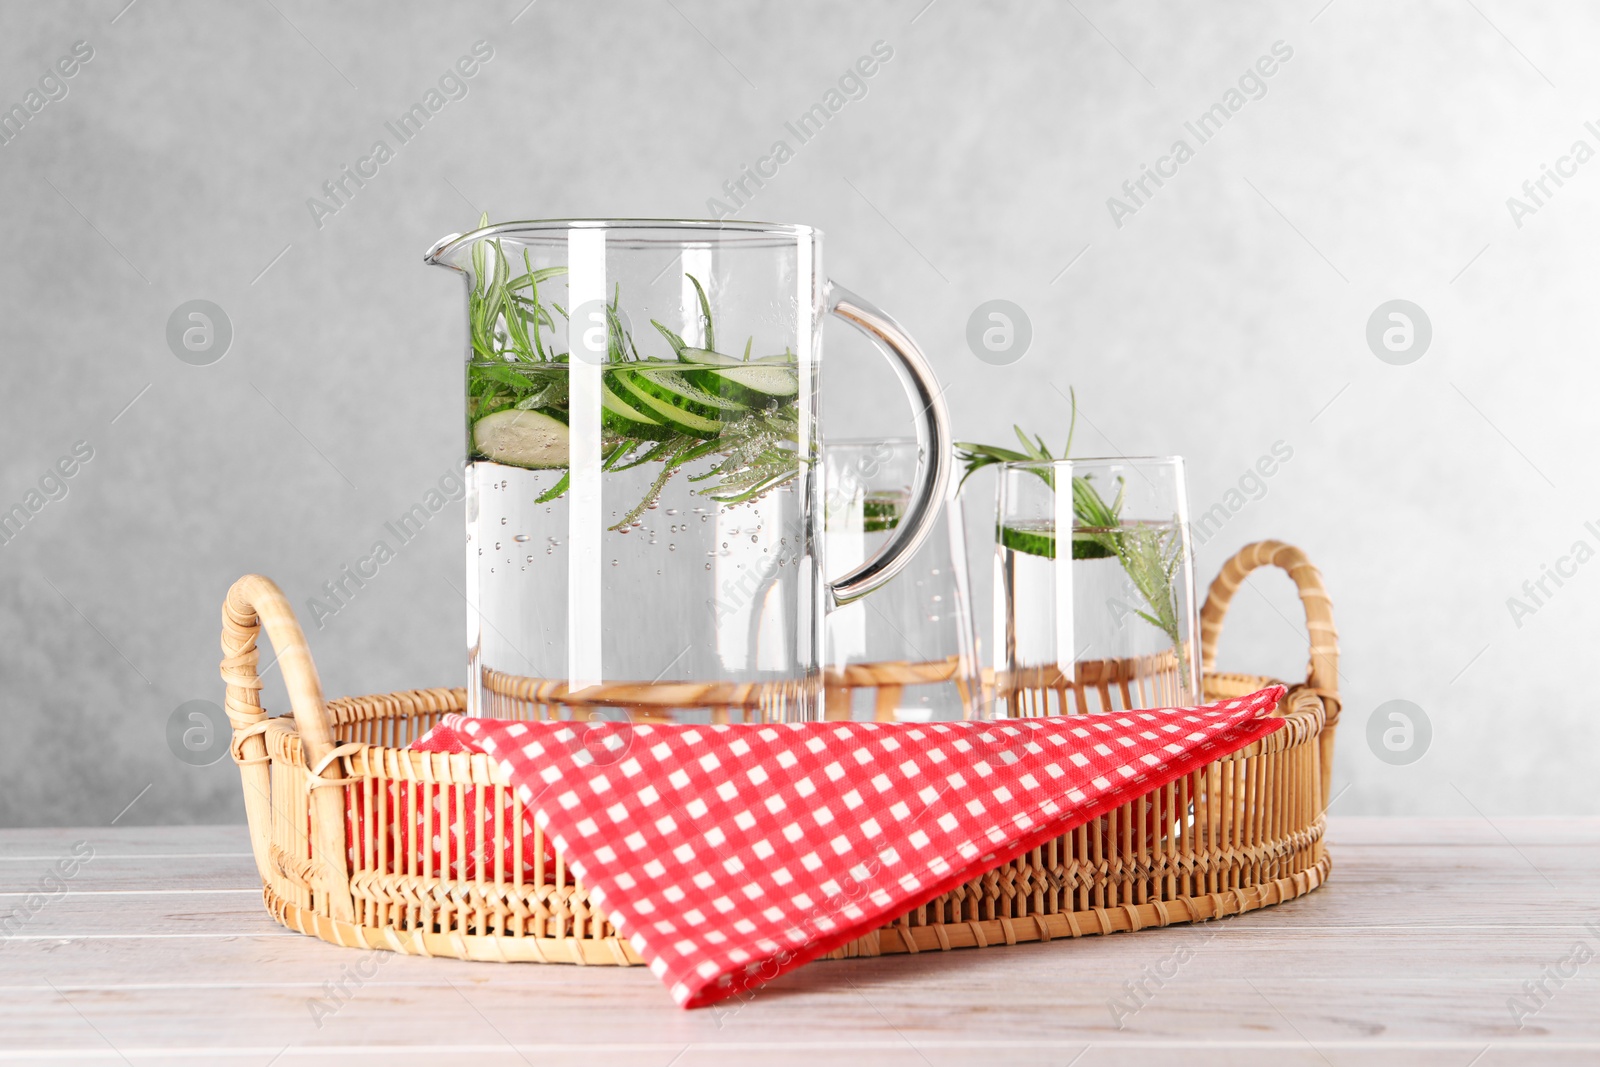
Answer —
522 538
672 548
502 520
497 546
613 563
708 566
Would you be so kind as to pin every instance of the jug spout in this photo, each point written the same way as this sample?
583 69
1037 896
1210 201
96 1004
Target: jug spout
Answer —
461 251
477 253
440 255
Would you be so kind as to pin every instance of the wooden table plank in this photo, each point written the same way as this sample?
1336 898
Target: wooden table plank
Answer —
161 952
1376 887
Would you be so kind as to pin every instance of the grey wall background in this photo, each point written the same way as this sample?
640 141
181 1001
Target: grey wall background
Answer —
1227 314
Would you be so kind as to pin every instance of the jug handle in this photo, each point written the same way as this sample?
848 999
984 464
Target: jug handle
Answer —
933 444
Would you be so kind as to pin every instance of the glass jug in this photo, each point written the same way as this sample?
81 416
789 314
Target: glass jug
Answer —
643 486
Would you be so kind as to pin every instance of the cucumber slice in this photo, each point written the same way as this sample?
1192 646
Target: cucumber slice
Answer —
751 384
706 357
881 510
621 417
645 400
1042 542
522 439
1085 547
675 386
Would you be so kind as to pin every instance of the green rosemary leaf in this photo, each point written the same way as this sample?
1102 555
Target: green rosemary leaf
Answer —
517 329
505 375
672 339
650 497
479 252
657 450
555 491
533 286
1027 445
534 277
705 314
704 448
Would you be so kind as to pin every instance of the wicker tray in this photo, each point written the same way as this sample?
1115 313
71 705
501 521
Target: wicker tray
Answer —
1240 833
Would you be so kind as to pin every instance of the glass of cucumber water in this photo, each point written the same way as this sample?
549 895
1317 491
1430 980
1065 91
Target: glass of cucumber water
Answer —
1094 587
643 491
906 652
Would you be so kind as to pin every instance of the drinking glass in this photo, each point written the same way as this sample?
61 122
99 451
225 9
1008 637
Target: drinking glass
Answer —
1110 623
905 652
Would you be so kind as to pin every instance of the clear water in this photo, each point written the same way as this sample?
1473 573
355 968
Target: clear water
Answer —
917 617
1065 613
695 592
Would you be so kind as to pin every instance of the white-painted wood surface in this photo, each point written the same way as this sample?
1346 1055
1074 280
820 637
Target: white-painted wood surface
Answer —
160 952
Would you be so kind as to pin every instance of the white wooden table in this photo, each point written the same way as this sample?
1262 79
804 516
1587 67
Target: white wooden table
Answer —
159 951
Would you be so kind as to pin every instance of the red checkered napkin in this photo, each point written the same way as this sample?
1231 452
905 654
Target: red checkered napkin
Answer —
728 855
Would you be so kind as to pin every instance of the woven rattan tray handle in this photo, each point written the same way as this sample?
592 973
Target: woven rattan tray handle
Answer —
1322 675
252 603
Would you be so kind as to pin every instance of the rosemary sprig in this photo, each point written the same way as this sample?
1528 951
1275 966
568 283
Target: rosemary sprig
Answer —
1149 555
976 456
515 365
